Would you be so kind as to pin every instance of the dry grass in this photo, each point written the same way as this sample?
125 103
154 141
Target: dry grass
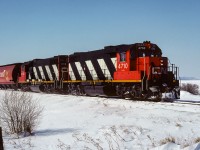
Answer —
197 140
19 113
178 125
191 88
169 139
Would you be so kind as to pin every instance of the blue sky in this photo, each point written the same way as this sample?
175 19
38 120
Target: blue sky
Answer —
43 28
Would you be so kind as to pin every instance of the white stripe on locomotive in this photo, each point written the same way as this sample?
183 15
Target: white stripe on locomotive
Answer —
80 70
91 69
104 68
49 72
114 61
55 69
71 73
35 73
41 72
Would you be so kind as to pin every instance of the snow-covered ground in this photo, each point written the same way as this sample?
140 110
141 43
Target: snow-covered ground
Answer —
71 122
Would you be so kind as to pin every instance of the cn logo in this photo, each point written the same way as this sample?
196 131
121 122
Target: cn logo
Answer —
159 70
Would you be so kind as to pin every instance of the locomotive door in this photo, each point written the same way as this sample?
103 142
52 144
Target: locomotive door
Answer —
63 67
64 75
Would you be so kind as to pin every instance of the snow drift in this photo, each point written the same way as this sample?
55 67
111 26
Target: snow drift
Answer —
71 122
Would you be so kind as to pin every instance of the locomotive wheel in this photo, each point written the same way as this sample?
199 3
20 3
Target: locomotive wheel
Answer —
133 94
177 94
127 95
154 96
144 96
158 97
119 91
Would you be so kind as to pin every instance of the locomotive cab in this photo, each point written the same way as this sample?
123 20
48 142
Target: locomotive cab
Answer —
135 63
126 67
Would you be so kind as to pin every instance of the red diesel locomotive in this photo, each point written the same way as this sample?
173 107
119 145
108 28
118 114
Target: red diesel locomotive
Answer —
136 71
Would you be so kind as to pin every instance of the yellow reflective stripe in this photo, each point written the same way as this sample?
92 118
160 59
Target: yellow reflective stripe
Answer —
91 81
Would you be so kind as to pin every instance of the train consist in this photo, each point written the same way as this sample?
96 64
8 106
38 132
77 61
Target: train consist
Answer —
136 71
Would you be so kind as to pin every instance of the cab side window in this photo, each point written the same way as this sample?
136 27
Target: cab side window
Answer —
122 56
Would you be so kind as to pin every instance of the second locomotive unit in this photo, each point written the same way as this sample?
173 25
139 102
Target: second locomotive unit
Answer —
136 71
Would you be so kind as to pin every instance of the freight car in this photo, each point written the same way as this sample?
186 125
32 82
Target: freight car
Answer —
9 75
136 71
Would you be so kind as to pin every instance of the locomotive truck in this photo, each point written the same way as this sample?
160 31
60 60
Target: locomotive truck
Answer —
135 71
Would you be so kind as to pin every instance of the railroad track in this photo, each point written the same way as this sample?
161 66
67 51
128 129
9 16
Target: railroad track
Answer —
176 101
187 102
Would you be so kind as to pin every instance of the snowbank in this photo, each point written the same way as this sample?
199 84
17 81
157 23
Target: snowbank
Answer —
71 122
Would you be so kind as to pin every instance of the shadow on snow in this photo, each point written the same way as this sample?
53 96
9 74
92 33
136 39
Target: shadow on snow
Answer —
48 132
